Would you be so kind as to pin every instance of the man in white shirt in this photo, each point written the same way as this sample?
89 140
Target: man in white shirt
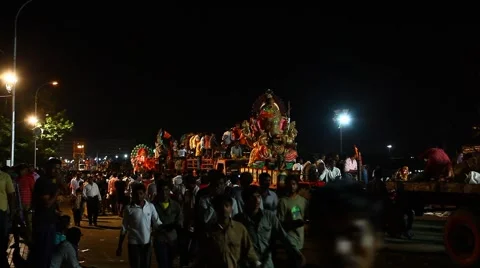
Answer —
138 219
91 193
331 172
75 183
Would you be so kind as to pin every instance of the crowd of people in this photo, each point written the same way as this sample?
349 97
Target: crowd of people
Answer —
208 220
212 220
30 210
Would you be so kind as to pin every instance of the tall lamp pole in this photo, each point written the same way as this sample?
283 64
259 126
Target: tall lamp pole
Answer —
35 133
12 155
342 117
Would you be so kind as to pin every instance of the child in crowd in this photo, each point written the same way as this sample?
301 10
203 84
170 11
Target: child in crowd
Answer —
62 226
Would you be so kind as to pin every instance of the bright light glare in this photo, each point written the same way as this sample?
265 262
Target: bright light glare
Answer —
344 119
54 83
9 78
389 146
32 120
126 156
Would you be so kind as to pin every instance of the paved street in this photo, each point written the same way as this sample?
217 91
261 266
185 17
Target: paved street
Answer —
425 249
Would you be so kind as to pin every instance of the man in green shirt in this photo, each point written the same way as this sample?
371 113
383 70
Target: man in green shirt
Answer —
260 224
292 211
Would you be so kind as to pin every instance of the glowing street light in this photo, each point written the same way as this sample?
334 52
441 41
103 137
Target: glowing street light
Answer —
342 118
10 79
389 148
125 156
32 120
116 156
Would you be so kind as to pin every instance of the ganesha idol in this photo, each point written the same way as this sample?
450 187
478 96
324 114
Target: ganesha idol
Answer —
142 162
270 119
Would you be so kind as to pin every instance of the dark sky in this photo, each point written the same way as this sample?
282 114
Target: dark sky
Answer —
127 70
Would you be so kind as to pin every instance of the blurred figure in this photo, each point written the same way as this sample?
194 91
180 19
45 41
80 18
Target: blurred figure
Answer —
246 179
438 164
261 225
44 219
347 224
402 174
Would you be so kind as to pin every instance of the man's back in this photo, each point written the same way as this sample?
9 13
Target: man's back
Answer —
6 187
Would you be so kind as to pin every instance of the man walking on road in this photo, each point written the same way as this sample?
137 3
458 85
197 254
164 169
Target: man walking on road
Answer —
138 218
91 193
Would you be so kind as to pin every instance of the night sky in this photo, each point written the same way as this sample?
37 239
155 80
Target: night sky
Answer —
126 71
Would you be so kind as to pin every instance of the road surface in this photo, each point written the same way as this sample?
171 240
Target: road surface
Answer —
424 250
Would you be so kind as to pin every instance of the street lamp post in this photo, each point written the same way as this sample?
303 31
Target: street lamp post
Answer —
53 83
10 80
389 148
343 119
12 155
33 120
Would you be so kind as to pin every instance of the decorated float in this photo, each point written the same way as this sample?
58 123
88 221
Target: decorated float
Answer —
160 158
269 134
269 137
142 158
